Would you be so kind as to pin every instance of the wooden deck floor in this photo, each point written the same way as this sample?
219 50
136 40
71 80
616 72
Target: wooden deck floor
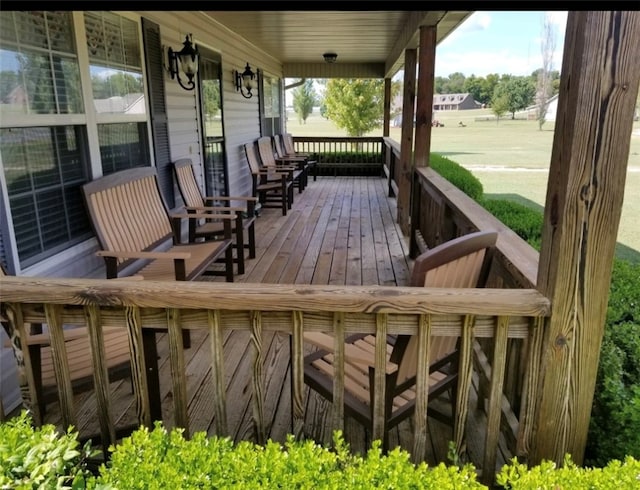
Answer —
341 230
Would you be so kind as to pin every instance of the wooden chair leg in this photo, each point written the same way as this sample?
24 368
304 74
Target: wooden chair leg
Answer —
252 242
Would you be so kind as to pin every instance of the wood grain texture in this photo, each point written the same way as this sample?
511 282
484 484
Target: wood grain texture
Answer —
100 376
217 373
598 91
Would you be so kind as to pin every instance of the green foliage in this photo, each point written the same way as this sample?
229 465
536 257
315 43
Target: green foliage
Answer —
118 84
349 157
524 221
159 459
459 176
304 98
516 92
481 88
614 429
40 457
621 475
355 105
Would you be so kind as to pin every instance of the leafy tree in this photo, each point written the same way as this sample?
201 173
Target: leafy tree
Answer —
8 82
118 84
473 85
304 98
500 106
517 92
211 97
453 84
355 105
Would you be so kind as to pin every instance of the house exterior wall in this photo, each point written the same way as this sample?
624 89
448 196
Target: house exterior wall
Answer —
241 120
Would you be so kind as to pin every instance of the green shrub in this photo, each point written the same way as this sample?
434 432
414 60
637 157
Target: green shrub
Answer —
524 221
616 475
161 459
614 429
348 157
40 457
459 176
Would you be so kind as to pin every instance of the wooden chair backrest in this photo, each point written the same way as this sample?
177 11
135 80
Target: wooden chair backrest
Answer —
127 211
278 146
287 141
187 184
252 158
458 263
265 150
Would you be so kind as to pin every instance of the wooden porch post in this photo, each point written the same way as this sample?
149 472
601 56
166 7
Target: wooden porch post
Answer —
406 141
599 86
424 104
387 107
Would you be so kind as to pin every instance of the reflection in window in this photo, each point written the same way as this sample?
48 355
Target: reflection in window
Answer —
40 73
44 172
122 146
116 63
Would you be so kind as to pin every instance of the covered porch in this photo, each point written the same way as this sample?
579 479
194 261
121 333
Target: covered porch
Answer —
529 344
336 262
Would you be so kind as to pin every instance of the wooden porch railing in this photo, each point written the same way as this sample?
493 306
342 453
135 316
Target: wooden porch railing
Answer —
439 212
143 306
343 155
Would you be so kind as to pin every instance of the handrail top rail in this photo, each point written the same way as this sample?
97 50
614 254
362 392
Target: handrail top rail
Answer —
274 297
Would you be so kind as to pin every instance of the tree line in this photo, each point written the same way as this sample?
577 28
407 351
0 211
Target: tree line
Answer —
357 105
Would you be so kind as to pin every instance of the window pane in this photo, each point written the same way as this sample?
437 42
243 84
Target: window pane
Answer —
45 169
39 70
123 145
116 63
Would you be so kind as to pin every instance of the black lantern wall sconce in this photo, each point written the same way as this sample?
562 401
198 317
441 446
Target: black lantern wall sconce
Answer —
188 58
245 81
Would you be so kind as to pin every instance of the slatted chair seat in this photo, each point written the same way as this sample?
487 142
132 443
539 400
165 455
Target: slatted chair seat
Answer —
458 263
273 189
204 229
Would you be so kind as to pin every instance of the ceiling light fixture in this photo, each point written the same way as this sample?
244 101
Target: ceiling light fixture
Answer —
330 57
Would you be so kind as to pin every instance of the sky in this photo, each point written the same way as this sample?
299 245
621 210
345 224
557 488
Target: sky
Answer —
499 42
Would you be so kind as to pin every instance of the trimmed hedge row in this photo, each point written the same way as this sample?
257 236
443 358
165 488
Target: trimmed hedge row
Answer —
159 459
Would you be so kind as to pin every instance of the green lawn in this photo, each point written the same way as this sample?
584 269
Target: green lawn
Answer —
511 159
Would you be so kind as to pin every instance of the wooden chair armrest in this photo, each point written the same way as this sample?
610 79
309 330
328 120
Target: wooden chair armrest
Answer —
352 353
138 254
215 208
231 198
202 215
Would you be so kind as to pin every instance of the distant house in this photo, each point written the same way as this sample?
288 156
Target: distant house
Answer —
441 102
550 115
454 102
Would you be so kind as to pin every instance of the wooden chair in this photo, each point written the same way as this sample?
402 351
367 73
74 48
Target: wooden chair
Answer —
132 224
458 263
272 188
268 159
289 149
36 372
195 202
283 158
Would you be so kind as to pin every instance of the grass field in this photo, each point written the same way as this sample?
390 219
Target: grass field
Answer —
510 158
